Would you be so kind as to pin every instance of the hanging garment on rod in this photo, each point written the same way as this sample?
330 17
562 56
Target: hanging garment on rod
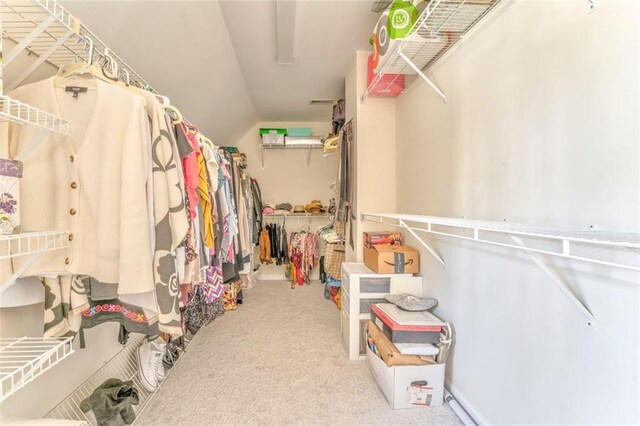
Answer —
303 255
93 181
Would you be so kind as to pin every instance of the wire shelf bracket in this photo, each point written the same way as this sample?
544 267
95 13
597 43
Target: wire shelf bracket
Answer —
24 359
422 75
32 244
456 228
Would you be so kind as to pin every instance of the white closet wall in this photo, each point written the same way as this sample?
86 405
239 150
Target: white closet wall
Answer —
540 126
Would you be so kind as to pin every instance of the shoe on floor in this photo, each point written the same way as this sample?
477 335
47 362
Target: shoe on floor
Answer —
171 355
409 302
147 367
159 348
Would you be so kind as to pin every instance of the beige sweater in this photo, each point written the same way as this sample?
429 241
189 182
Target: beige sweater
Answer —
91 183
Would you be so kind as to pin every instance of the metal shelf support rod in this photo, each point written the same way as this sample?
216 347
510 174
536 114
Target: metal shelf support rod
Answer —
25 42
422 242
422 75
41 59
556 279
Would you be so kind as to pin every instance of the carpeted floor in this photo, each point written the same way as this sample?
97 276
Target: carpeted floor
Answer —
278 359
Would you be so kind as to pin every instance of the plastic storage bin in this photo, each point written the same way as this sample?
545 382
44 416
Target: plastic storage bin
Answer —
299 131
273 136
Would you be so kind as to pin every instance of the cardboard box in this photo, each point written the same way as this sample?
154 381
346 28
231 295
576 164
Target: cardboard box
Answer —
386 259
407 386
379 238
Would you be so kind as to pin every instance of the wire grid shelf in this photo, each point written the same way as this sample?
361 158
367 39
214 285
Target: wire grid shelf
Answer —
123 366
21 113
22 360
30 243
21 18
451 227
440 26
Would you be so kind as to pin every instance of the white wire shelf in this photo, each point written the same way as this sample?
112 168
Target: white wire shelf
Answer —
122 366
629 240
21 113
24 359
30 243
47 30
558 243
300 146
441 25
297 215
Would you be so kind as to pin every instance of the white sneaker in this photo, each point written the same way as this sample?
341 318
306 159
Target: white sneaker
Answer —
159 348
145 356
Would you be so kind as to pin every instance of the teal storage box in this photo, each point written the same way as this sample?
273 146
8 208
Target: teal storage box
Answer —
299 131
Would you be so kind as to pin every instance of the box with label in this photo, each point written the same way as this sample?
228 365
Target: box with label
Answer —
402 326
370 239
272 136
387 259
407 386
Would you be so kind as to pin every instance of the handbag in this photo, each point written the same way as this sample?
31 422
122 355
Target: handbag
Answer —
333 258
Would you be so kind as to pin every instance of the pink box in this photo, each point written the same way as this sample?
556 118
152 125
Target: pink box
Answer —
390 85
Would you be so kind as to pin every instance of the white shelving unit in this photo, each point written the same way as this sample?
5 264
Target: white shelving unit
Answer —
534 241
297 215
31 244
307 147
47 30
122 366
22 360
21 113
440 25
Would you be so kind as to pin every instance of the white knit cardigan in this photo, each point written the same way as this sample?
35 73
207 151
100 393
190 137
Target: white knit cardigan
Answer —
96 191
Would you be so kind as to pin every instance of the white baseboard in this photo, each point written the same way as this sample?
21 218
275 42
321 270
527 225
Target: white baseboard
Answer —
464 403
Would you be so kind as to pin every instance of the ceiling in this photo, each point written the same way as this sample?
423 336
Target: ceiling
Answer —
217 60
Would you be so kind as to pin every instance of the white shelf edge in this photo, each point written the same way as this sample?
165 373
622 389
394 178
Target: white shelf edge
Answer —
297 215
24 359
29 243
22 113
308 146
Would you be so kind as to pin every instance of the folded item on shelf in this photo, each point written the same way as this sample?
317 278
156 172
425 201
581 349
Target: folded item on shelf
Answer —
315 206
422 349
281 211
409 302
268 210
284 206
299 209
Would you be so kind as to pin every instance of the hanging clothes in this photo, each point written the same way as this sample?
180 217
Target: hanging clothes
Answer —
92 182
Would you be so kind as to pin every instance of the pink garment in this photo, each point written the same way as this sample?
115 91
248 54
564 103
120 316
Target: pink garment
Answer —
268 210
190 170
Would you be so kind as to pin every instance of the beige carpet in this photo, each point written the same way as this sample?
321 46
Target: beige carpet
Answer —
278 359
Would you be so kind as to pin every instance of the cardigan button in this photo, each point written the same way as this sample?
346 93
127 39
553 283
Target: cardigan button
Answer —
70 237
74 185
72 212
67 261
71 158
